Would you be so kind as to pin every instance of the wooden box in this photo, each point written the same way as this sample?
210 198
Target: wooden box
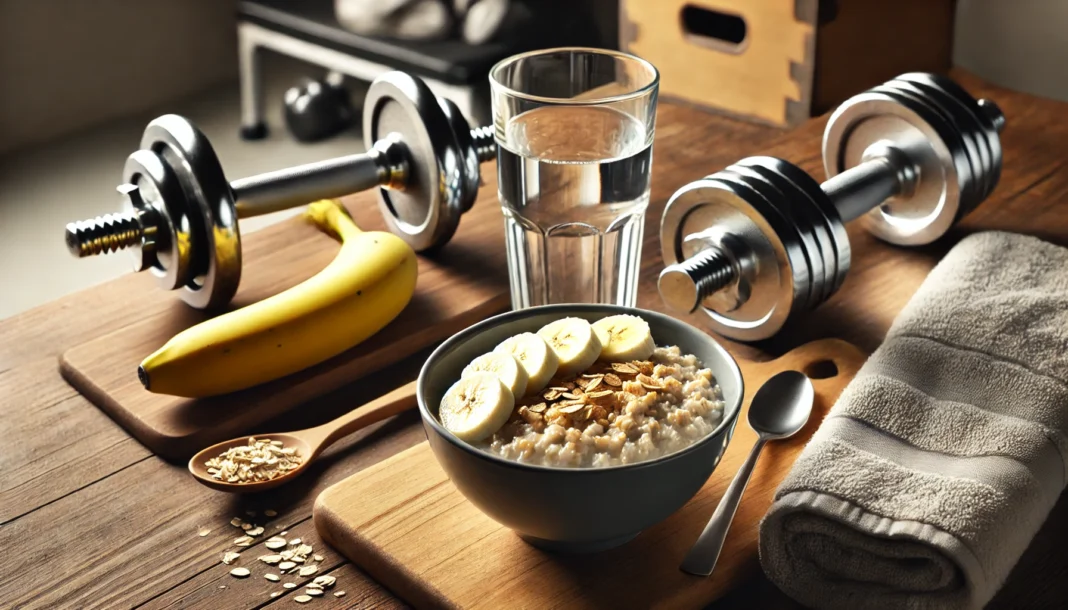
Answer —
782 61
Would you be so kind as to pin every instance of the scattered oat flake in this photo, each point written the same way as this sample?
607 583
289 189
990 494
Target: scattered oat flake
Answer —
275 543
203 532
308 570
243 541
275 593
236 522
304 549
240 572
256 531
222 586
270 512
287 565
289 585
272 577
318 557
230 557
314 592
246 526
282 533
294 542
302 599
325 581
270 559
339 594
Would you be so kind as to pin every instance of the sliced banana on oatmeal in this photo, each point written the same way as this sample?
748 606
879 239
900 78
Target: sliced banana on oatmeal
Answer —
575 344
476 406
504 366
624 338
534 355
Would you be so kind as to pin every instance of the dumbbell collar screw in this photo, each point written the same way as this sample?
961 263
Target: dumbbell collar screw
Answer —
137 230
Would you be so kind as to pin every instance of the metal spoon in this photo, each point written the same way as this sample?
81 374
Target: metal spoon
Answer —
309 443
780 408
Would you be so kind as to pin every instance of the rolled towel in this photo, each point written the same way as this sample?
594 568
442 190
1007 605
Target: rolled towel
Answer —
942 458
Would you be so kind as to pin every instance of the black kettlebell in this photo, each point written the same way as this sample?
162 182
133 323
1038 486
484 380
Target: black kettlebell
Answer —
318 109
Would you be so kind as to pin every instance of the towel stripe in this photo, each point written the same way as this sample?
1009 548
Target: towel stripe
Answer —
997 471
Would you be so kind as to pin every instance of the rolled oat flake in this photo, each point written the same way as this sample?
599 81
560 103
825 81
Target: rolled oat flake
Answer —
302 599
240 572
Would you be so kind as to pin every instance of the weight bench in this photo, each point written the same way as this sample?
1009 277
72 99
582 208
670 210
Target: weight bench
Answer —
308 30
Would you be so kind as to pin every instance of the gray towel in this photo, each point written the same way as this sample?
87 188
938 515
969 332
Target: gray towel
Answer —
942 458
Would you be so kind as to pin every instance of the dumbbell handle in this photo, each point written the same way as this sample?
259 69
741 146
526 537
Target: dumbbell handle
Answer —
386 164
886 172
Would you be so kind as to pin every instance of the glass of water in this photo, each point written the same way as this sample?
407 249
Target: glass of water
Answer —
574 131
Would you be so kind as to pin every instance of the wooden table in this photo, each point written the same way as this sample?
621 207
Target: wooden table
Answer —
90 518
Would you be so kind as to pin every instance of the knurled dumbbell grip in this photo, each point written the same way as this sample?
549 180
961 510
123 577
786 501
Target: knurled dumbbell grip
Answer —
859 189
283 189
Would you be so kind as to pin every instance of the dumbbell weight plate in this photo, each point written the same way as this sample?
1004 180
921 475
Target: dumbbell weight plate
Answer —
833 221
989 131
966 121
794 249
427 210
803 209
461 129
710 212
874 117
171 260
216 268
932 111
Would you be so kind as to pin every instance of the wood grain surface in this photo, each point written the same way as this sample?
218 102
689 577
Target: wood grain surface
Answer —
91 519
405 524
453 291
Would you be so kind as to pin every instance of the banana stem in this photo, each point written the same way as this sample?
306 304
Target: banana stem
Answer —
331 217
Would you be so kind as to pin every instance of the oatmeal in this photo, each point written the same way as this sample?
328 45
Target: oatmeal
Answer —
613 414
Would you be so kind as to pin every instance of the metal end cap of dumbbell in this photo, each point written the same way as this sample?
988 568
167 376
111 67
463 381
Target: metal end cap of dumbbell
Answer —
728 250
442 176
178 174
949 140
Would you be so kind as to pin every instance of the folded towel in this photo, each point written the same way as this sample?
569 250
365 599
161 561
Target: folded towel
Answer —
942 458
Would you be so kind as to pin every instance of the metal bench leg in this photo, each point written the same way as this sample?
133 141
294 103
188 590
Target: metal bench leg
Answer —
253 126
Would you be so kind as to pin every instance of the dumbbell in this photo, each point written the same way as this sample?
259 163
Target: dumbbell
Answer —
180 212
761 242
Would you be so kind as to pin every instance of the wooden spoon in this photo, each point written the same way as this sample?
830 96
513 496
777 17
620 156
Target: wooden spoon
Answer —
309 443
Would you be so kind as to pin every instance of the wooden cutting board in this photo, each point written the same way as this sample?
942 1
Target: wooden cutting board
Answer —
465 283
404 523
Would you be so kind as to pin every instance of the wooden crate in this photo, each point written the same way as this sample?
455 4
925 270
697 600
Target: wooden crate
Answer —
782 61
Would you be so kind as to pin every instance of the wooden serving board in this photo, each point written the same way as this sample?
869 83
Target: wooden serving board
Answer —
409 528
465 283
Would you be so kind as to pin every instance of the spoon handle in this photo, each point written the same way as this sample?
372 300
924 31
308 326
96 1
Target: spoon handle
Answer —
387 405
704 554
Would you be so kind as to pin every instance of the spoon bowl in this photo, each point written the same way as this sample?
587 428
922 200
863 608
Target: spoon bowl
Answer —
199 469
782 405
309 442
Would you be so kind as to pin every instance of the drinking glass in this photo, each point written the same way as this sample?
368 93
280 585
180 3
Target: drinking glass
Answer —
574 132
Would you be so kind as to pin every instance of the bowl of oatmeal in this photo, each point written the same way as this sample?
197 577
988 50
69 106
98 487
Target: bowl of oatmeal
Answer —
585 460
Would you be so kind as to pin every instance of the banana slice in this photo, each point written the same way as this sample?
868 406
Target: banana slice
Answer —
575 344
534 355
624 338
504 366
476 406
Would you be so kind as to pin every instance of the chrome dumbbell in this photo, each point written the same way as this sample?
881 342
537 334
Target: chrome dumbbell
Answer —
180 212
761 242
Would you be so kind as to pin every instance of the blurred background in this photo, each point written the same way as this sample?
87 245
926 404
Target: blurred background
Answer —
79 80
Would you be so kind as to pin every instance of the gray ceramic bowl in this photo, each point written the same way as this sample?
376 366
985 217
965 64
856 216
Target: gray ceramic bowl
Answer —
550 507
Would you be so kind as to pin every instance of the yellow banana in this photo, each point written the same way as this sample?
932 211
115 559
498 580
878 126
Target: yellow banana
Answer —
367 285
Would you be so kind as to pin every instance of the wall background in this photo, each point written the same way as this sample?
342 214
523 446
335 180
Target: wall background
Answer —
1020 44
68 64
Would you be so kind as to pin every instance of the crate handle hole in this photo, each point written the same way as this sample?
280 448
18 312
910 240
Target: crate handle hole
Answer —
714 29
